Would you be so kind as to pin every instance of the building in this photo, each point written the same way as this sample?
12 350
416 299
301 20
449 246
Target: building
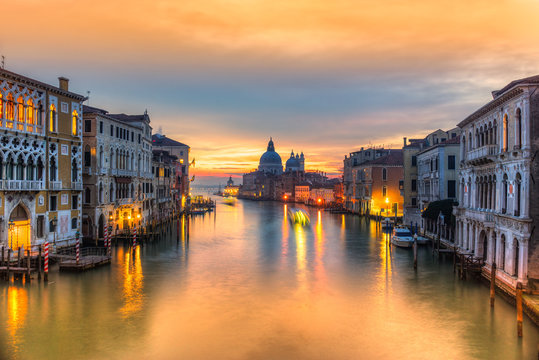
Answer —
166 201
350 172
181 151
302 192
498 188
295 162
379 184
117 171
231 189
270 162
40 196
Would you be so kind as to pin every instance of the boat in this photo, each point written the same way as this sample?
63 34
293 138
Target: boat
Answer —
298 216
230 200
387 223
198 212
421 240
402 237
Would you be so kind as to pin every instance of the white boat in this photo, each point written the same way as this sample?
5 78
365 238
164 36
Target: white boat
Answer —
402 237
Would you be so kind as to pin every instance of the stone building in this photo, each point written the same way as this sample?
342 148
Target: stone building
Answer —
117 171
166 201
40 173
498 184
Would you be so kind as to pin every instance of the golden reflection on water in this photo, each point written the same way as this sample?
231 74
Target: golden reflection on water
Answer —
284 242
133 284
301 254
319 269
17 309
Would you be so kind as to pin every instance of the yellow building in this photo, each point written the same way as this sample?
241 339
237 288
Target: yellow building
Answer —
41 161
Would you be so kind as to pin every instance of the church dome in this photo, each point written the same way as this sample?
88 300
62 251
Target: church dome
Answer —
292 164
270 161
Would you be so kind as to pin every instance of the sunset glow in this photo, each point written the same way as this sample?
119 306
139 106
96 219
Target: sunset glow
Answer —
320 77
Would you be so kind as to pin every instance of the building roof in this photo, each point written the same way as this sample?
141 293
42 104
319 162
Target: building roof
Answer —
130 118
162 140
32 82
393 158
500 96
93 110
451 141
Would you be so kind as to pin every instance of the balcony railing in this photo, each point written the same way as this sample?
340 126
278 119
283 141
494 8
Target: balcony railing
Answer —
55 185
76 186
483 216
124 201
21 185
482 153
123 172
102 171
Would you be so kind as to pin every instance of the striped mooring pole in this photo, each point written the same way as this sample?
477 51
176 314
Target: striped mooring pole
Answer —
105 235
77 247
109 242
46 265
134 237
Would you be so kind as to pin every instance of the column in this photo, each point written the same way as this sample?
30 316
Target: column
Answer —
523 261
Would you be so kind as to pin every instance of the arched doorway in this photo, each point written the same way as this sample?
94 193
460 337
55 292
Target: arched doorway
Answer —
19 228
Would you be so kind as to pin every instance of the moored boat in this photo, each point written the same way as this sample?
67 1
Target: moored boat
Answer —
402 237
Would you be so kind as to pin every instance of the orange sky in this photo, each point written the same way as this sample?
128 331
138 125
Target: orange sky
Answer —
320 77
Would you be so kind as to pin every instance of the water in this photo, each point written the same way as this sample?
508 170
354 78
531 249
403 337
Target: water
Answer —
249 285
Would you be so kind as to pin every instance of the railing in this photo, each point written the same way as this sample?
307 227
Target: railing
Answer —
17 185
87 170
55 185
484 216
124 201
482 152
123 172
76 186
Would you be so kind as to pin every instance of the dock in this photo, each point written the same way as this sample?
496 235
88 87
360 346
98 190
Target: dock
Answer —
89 258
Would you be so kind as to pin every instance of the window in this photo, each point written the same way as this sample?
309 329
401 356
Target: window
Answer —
40 225
519 129
64 107
118 132
451 188
451 162
132 136
87 196
74 223
74 202
414 160
87 125
436 164
52 169
75 122
30 115
74 171
87 157
384 191
139 138
414 185
505 133
384 174
53 205
101 127
414 201
112 130
52 118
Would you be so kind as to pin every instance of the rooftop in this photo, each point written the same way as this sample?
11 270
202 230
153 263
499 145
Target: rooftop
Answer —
162 140
393 158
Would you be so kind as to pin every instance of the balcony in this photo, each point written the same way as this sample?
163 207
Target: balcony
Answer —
124 201
123 172
55 185
77 186
482 155
484 216
21 185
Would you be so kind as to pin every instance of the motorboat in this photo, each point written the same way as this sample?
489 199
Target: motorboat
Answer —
230 200
298 216
402 237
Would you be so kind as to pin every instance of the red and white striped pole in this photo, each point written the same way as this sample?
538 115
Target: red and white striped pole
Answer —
77 247
134 237
46 266
105 235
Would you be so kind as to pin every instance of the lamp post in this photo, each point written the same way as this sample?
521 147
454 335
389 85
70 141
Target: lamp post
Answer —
54 222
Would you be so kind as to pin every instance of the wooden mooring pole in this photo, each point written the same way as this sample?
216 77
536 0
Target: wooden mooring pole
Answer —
492 284
519 309
27 265
8 263
39 264
415 252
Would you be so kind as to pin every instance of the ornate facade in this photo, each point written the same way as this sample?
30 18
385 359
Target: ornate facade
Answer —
40 148
495 215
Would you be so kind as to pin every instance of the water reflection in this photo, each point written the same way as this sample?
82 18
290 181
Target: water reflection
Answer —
133 283
17 308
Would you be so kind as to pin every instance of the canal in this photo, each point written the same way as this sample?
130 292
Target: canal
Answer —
249 285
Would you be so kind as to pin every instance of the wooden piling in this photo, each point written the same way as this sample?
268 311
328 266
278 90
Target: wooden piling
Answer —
2 263
519 309
19 257
39 264
454 260
27 265
492 284
415 252
8 263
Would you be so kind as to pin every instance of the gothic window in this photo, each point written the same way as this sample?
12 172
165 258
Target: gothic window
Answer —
30 169
505 193
74 222
101 157
384 174
52 169
74 171
20 168
10 110
502 253
517 257
87 195
100 193
74 123
384 191
39 175
30 115
518 196
495 133
20 113
39 114
52 118
505 133
518 120
1 106
111 193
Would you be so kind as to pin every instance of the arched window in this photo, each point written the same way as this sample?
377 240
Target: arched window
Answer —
495 132
39 174
505 133
517 257
384 174
490 141
518 195
74 223
74 122
20 113
20 168
505 193
52 169
30 169
100 193
87 195
39 114
74 171
10 110
9 168
470 141
502 253
52 118
481 136
30 115
518 141
111 193
101 157
1 106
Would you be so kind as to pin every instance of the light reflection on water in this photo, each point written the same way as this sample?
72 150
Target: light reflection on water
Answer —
248 284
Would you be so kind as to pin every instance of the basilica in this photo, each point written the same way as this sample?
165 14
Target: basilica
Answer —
271 163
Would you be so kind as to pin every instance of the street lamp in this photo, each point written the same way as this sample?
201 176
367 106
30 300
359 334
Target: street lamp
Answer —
53 223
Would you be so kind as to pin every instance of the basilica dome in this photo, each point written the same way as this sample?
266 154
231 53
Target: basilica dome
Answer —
270 161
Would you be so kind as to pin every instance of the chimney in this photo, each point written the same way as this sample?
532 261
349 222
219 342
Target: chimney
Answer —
64 83
404 138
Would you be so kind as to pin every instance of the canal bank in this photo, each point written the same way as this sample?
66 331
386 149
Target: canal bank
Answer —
248 284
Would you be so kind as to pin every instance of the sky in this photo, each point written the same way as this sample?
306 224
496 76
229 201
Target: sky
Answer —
322 77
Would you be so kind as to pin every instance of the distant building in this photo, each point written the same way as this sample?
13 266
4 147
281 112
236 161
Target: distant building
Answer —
270 161
166 200
302 192
231 189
